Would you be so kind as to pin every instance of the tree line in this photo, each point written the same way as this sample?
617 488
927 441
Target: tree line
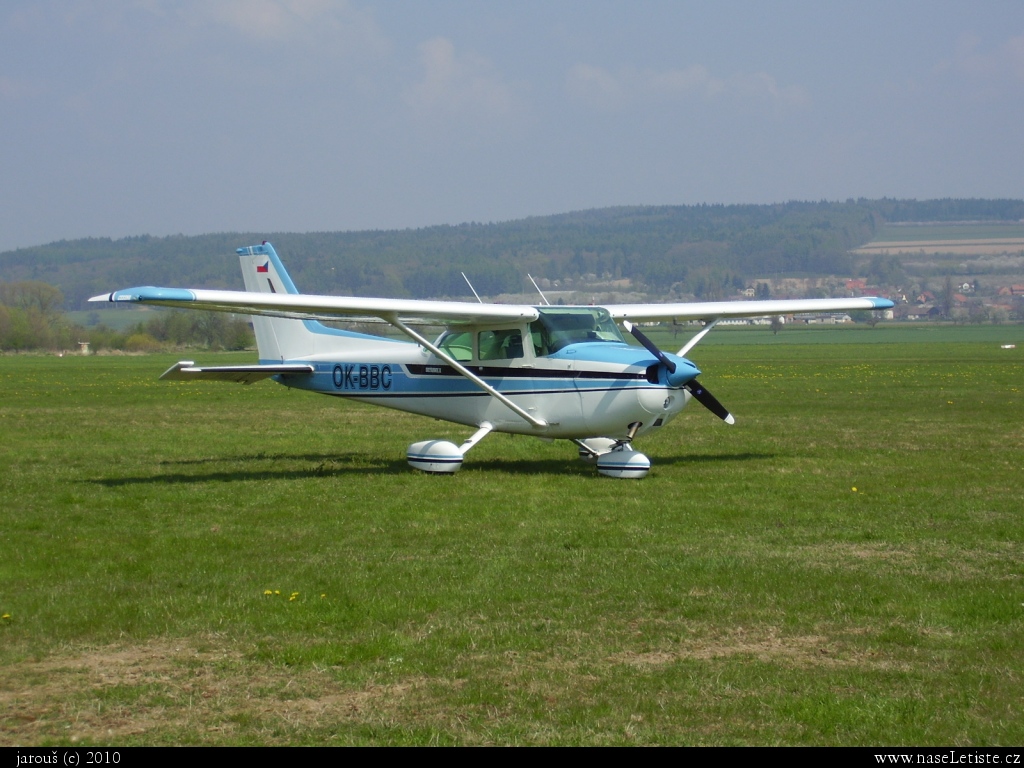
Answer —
32 318
699 249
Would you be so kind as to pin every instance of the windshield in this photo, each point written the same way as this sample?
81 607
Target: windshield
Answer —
558 327
457 344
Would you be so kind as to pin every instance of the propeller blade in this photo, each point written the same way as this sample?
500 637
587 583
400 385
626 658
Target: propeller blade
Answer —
709 401
694 387
649 345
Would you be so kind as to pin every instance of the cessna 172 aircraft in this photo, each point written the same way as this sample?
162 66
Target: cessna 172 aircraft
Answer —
549 371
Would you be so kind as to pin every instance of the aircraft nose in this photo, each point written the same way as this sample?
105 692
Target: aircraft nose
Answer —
685 371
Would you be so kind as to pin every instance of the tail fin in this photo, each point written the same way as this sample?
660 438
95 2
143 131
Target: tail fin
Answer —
280 339
263 271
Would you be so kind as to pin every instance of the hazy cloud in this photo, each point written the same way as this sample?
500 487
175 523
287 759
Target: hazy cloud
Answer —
465 84
674 82
1004 60
604 90
761 85
328 24
270 19
596 87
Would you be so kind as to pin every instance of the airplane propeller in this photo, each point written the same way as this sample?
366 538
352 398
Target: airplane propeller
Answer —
709 401
692 386
650 346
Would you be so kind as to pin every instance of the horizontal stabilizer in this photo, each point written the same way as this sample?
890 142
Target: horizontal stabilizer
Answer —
186 370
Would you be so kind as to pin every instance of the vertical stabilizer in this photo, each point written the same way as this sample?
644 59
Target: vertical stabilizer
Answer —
278 338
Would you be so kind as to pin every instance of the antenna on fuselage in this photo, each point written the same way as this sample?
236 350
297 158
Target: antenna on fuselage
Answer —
538 289
471 287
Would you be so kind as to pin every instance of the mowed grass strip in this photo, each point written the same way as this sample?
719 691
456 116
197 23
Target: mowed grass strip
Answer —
843 566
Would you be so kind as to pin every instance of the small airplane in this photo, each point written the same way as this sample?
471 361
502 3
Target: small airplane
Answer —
554 372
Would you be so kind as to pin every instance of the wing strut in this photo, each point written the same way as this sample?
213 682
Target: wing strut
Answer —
697 337
539 423
476 437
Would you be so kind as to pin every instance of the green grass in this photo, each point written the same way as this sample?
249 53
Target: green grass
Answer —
742 593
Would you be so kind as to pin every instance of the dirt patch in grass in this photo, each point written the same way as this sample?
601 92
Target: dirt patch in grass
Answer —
183 693
770 645
874 552
766 644
208 692
935 560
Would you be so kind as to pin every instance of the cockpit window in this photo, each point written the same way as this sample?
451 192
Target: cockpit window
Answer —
558 327
458 344
500 345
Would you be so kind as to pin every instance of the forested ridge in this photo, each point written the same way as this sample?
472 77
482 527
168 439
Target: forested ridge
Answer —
693 249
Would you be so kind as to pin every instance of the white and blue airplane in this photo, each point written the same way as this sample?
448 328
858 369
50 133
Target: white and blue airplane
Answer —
554 372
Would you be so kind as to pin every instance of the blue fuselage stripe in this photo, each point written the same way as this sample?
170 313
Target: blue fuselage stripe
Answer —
391 380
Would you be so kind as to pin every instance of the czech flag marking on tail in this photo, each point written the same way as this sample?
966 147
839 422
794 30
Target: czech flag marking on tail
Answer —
264 268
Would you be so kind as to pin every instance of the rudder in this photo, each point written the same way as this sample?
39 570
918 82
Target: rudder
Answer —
277 338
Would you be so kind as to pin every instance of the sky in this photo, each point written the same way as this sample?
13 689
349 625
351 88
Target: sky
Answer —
131 117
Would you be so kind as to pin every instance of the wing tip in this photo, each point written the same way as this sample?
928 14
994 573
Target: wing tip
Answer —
147 293
880 303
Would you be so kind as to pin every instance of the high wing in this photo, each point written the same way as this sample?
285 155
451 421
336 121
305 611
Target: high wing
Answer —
713 310
313 307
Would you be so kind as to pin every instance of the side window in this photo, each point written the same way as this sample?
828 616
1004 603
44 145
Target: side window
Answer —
500 345
458 344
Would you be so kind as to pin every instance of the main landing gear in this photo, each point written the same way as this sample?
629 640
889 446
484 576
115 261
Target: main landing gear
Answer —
441 456
614 458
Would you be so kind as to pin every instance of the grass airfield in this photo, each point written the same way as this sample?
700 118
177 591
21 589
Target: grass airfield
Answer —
843 566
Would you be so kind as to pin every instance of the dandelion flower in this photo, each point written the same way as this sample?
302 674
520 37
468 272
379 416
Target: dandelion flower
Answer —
854 489
268 592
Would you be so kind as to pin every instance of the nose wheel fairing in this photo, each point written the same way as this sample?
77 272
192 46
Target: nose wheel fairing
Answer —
624 463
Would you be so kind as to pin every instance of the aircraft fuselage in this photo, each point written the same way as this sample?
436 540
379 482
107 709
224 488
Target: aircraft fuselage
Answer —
580 390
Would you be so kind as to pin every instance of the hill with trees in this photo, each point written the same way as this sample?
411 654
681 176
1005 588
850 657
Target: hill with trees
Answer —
703 250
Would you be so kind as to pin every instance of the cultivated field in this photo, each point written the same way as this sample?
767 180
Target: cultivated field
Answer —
939 239
952 231
204 564
939 247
